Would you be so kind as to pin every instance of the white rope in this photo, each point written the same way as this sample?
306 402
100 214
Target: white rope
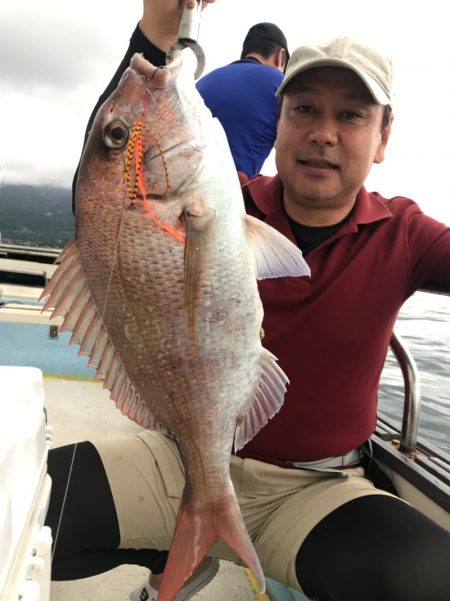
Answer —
64 499
114 259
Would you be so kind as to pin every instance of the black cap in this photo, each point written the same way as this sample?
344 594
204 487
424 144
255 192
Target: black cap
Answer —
267 31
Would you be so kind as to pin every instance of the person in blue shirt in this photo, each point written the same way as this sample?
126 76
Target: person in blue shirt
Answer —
242 96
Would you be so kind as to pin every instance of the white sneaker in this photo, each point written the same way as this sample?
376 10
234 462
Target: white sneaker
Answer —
145 592
201 577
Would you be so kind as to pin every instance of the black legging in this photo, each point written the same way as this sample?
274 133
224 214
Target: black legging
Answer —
84 526
374 548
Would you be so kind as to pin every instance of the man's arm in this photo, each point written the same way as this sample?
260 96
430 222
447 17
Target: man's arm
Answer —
138 43
153 36
437 287
429 248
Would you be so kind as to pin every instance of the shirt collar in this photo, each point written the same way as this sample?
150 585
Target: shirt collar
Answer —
369 207
248 59
267 194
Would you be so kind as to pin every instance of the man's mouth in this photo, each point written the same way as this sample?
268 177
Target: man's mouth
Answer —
318 163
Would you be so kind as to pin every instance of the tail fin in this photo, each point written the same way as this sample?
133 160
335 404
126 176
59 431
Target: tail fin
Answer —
197 528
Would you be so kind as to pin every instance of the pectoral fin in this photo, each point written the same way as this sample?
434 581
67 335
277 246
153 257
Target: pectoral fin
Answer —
275 255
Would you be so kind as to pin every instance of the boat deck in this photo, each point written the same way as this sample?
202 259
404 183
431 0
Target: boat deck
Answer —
80 409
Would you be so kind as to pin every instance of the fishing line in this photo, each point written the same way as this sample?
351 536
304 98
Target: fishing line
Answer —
114 258
64 500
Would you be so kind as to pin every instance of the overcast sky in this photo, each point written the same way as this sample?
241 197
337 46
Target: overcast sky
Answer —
57 56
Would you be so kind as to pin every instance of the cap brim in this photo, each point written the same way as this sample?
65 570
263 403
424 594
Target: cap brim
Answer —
376 91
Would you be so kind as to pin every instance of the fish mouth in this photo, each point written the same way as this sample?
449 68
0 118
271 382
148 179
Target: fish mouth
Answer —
156 76
142 66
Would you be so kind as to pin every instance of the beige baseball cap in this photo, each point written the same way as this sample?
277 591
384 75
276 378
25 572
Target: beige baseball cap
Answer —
371 66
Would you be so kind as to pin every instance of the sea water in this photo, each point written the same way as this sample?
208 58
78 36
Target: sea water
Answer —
424 325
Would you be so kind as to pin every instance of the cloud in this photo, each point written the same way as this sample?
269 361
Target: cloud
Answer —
43 44
56 59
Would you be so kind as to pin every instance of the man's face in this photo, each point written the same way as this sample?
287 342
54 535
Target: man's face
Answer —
329 135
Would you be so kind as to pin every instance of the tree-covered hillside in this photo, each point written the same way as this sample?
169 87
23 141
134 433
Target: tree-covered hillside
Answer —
36 215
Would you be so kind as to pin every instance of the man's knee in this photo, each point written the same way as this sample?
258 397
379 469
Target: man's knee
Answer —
376 547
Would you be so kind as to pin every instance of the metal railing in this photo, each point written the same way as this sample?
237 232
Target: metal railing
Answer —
412 399
28 253
411 380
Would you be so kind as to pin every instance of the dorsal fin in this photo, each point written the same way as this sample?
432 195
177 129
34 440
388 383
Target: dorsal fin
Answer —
68 295
266 401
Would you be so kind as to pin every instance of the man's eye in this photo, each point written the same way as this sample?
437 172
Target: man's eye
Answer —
351 115
116 134
303 109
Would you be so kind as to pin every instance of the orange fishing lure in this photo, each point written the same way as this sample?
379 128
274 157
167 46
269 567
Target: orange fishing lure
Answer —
136 149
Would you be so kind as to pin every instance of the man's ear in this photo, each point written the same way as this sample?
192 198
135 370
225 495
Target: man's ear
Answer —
386 132
279 59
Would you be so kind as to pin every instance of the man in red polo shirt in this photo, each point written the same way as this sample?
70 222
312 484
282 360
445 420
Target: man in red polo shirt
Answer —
317 523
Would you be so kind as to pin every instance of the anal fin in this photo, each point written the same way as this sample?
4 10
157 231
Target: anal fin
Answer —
266 401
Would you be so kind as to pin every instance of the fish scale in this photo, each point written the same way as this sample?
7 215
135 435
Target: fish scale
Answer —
159 288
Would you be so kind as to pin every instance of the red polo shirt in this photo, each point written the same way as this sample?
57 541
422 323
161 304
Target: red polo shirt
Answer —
331 333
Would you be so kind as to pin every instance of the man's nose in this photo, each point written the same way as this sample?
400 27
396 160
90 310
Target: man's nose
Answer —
324 132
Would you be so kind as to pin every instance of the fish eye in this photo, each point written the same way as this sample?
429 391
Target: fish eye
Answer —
116 134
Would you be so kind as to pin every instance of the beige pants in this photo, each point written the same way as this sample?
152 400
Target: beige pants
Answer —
280 506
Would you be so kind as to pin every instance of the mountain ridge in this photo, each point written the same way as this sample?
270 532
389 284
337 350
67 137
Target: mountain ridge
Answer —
36 215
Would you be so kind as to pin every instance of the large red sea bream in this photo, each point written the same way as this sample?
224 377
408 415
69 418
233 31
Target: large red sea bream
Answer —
160 290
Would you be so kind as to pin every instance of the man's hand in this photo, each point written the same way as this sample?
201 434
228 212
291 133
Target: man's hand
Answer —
161 20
